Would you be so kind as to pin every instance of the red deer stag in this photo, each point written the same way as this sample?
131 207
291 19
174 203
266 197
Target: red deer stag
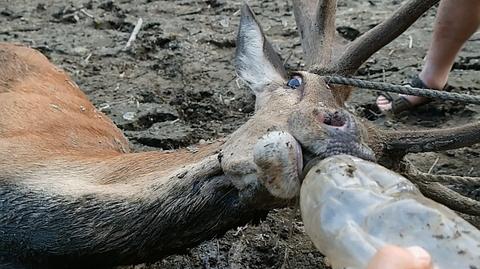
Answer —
73 195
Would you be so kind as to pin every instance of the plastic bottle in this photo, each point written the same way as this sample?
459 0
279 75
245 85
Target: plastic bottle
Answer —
352 207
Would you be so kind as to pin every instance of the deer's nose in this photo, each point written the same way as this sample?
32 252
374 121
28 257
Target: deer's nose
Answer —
334 119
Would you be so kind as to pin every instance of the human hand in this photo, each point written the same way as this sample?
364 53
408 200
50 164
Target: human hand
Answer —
394 257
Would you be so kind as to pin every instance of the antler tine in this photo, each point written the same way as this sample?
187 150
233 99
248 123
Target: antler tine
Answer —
316 24
376 38
399 142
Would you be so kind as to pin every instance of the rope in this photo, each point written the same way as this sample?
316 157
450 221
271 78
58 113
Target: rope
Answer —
448 179
431 187
387 87
449 197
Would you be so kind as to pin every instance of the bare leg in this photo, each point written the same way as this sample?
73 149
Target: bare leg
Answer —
456 21
393 257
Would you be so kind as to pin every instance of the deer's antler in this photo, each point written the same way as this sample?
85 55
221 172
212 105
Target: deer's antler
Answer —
316 24
432 140
376 38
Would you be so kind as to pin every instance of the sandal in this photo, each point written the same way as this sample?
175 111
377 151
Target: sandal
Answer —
400 103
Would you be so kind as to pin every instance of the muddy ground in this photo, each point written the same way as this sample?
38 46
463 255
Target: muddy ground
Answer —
176 86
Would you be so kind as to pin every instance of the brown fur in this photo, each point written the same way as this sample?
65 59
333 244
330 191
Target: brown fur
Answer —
45 117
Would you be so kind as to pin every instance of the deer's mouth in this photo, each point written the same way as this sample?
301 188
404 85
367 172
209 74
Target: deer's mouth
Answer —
324 133
343 144
342 135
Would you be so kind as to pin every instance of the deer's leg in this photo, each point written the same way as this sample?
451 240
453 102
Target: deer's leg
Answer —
278 157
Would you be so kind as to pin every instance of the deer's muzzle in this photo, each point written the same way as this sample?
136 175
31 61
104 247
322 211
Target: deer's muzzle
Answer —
325 132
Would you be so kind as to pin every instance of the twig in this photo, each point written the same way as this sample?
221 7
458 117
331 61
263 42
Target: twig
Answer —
285 264
135 31
433 165
192 12
218 252
292 218
87 58
470 171
27 29
86 13
288 58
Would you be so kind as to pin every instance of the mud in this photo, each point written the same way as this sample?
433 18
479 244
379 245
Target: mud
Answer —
176 86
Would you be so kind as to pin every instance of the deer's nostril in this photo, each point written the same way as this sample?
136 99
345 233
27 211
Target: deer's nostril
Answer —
335 119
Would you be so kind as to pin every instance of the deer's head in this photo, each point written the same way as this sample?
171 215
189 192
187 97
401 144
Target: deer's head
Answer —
296 108
298 116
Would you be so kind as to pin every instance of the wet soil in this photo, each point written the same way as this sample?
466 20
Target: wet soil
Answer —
176 86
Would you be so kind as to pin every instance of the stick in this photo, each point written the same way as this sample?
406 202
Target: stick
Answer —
133 36
86 13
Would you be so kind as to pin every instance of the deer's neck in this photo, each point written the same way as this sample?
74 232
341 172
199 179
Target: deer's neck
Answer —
77 218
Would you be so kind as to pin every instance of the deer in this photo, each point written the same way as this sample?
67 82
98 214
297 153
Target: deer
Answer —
74 195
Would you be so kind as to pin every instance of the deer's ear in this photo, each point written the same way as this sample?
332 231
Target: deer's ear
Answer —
255 60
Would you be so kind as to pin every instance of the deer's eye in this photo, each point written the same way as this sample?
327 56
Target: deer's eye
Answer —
295 82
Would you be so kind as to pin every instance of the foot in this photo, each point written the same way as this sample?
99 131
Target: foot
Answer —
385 105
405 102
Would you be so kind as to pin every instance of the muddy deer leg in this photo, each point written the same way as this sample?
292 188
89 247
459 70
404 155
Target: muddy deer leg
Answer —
106 226
278 158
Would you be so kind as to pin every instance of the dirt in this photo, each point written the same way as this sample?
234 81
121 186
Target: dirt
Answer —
176 86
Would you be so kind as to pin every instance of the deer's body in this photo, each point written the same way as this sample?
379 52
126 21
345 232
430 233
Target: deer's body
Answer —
45 118
68 182
44 108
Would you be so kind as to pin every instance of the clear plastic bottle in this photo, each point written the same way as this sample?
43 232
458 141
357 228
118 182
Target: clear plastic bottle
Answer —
352 207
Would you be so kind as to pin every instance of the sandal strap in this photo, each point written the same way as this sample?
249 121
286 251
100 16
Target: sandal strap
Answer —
416 82
387 96
401 104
